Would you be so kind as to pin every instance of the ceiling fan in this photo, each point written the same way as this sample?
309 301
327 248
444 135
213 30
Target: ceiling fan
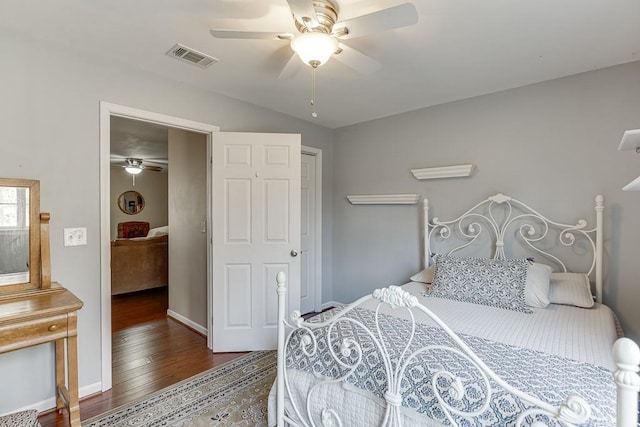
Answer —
134 165
320 33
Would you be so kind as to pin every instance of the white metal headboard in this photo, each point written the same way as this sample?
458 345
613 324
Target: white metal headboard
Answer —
499 215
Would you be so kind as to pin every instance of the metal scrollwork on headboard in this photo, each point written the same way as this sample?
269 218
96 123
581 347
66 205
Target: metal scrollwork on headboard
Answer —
506 221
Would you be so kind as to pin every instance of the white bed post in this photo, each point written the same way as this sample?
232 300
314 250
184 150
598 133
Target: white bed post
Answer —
627 356
281 279
425 228
599 254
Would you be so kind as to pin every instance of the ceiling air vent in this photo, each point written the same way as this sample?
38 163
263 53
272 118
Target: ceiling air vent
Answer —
191 56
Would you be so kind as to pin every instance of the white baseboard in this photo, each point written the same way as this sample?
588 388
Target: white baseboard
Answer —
49 404
190 323
331 304
90 389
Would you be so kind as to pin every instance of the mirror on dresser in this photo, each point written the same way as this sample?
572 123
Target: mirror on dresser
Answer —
20 232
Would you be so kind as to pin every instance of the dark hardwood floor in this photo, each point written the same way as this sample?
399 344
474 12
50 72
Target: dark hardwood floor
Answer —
150 352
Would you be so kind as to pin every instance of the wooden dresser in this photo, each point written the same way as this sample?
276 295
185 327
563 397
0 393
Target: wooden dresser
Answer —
33 309
46 316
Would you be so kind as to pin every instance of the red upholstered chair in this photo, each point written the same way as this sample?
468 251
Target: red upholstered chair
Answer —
129 229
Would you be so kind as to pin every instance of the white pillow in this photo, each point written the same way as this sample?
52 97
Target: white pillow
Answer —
536 288
570 289
158 231
424 276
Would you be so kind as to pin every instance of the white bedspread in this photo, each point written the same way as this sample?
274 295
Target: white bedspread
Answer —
585 335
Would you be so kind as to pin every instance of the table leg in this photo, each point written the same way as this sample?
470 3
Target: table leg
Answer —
72 362
60 374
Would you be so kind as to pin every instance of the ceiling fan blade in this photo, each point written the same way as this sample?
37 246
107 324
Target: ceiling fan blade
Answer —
399 16
291 69
304 12
158 161
152 168
257 35
116 159
357 60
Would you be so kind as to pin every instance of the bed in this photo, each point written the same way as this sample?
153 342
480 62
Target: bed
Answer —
500 328
139 262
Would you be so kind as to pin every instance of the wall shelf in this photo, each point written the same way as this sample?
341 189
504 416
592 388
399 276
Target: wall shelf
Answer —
443 172
630 140
633 185
384 199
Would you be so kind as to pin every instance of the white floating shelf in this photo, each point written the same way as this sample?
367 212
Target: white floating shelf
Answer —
633 185
443 172
630 140
384 199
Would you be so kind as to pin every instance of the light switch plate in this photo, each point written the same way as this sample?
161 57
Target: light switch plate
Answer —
75 236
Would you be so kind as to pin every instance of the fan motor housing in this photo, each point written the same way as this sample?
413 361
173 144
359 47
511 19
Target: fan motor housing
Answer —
327 16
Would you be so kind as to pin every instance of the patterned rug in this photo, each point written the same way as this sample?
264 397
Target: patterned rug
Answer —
233 394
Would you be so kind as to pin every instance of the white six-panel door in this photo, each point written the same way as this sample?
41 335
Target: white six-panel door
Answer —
256 226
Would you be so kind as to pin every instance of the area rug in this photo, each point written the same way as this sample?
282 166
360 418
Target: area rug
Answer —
232 394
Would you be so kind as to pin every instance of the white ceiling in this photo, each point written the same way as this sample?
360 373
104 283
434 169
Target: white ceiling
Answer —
459 48
140 140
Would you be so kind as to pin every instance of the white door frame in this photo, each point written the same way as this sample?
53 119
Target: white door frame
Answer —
317 153
106 111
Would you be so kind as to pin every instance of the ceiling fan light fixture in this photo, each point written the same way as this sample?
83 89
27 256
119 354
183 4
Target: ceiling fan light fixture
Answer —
314 48
133 170
134 166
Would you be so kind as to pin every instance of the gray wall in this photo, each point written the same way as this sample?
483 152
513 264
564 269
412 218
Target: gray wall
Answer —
49 130
151 185
553 145
187 242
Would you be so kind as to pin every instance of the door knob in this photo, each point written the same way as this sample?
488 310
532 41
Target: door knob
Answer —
294 253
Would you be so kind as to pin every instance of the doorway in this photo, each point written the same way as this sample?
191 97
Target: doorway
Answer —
168 197
106 111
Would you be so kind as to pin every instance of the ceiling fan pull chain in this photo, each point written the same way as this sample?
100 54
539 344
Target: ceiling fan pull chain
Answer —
314 113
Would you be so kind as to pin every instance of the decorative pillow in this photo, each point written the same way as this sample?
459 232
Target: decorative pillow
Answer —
536 289
497 283
424 276
570 289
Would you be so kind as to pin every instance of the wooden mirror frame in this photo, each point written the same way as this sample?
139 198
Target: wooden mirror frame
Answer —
138 205
35 278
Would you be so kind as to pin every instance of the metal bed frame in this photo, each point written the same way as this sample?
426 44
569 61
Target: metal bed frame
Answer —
499 220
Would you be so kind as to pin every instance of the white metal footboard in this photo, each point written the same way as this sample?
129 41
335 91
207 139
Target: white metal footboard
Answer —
573 411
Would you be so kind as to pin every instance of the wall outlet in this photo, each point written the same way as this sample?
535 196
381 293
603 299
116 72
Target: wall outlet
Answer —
75 236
